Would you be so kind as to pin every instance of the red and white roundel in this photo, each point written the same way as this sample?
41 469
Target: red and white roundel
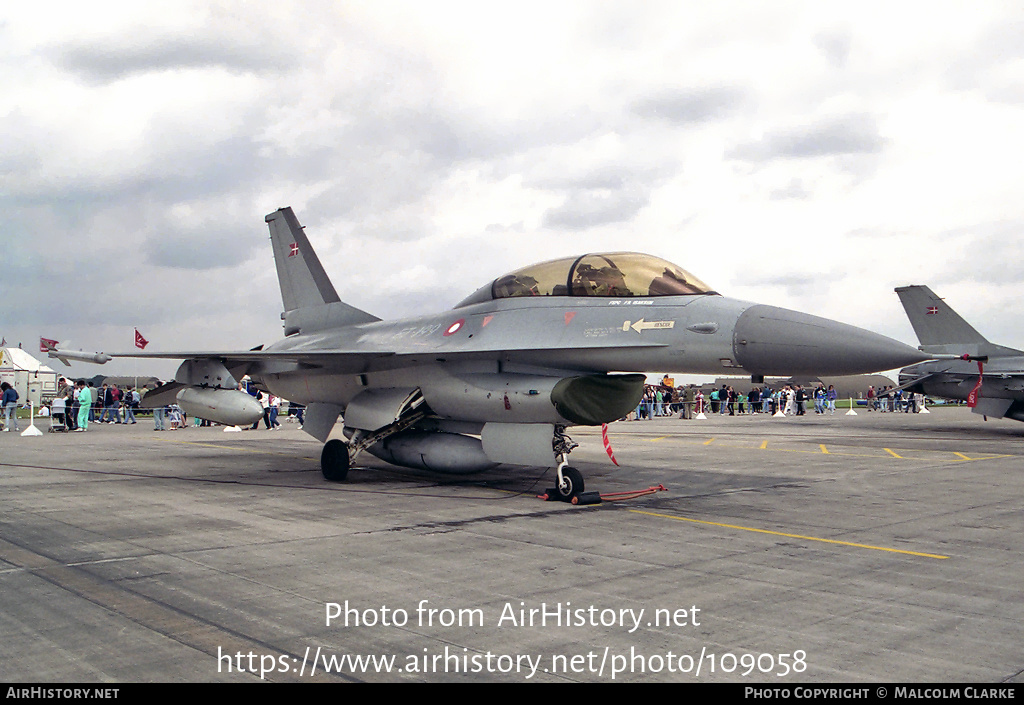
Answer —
455 327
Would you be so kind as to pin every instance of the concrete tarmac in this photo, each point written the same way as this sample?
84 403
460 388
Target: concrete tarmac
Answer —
868 548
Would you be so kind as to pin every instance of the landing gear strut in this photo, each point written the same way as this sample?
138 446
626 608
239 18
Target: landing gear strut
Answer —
568 480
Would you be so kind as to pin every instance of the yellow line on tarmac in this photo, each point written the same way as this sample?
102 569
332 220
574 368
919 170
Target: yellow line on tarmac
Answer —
823 448
659 438
961 455
764 445
893 454
708 441
791 536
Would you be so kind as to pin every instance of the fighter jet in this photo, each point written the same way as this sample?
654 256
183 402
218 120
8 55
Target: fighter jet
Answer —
989 377
499 378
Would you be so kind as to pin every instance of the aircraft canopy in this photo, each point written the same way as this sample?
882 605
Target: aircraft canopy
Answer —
613 275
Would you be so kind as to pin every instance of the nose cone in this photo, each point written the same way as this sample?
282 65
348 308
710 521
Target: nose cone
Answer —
775 341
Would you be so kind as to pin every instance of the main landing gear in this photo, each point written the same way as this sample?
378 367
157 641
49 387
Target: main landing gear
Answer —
337 455
334 460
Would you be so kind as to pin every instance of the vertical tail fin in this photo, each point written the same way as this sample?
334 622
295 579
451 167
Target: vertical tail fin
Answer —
303 279
935 323
941 329
310 300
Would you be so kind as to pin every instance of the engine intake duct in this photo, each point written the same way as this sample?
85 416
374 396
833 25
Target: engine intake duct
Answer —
592 400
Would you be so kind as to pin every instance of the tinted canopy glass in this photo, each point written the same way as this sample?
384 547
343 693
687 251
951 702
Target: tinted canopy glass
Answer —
614 275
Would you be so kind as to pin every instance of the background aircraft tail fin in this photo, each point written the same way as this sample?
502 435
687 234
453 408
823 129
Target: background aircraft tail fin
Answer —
310 300
941 329
935 323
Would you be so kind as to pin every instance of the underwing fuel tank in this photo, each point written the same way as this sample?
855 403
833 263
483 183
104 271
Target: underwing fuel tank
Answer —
225 406
441 452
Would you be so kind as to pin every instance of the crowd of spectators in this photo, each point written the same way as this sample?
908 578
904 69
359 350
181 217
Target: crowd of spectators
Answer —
665 399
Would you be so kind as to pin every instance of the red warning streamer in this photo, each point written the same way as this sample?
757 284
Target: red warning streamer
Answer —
972 398
607 443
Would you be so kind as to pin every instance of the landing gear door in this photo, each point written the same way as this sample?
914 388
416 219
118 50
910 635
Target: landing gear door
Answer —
519 443
373 409
320 420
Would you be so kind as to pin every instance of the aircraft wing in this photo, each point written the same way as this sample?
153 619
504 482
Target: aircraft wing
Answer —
336 357
254 355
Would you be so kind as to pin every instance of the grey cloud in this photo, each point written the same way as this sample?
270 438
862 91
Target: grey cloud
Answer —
212 246
794 189
613 176
989 66
844 135
803 285
609 193
176 166
835 45
585 209
113 58
692 106
988 252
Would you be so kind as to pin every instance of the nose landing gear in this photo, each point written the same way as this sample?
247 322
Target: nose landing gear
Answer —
569 482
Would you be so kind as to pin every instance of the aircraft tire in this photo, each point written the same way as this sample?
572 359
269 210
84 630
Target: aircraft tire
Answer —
572 483
334 461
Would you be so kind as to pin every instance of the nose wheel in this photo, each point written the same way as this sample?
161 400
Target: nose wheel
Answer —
570 483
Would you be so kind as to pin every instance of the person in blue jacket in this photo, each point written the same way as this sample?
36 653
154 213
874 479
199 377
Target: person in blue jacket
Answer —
9 401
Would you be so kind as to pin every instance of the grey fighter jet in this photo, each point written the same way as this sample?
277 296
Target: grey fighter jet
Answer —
967 355
498 378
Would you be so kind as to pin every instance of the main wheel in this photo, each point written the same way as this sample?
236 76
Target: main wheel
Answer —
334 461
571 484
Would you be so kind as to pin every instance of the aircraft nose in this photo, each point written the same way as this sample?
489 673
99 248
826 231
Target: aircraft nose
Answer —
776 341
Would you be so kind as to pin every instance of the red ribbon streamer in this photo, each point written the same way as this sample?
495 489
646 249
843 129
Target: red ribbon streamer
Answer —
972 398
607 443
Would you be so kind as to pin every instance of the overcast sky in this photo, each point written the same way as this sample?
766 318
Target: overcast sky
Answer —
807 155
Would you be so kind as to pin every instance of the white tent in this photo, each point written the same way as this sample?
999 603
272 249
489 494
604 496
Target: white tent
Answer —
33 380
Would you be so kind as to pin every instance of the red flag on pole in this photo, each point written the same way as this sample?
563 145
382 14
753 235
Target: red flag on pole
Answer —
972 398
140 342
46 345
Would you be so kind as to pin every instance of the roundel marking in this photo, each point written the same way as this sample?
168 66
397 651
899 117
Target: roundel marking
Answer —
454 327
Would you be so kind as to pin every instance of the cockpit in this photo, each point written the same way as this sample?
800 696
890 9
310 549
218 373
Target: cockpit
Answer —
614 275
